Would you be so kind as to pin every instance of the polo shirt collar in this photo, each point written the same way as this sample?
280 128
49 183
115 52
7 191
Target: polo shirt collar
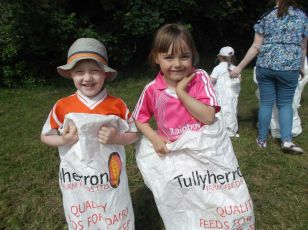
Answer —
160 81
92 102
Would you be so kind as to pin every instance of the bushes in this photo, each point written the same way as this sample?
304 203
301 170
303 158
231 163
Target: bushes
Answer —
31 38
34 40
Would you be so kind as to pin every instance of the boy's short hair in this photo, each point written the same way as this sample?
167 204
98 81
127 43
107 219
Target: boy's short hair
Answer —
83 49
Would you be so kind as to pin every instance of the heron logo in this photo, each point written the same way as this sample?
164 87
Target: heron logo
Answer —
115 168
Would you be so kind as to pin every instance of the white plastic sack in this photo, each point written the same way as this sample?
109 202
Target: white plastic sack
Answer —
93 177
296 127
227 91
198 185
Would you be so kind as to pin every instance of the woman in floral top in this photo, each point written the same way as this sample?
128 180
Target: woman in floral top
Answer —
281 44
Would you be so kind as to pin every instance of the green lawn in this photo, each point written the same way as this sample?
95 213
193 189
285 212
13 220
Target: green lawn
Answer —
31 199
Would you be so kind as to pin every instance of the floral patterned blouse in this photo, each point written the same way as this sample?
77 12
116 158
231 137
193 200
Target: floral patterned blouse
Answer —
282 39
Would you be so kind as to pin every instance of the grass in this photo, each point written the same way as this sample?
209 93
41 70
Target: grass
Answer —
30 196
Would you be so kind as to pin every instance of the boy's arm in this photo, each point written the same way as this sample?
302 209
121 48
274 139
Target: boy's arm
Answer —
68 137
110 135
200 111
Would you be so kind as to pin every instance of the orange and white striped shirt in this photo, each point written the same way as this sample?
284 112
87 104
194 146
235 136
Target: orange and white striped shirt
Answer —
103 104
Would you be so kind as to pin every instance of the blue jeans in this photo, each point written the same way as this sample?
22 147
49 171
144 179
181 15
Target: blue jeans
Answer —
279 87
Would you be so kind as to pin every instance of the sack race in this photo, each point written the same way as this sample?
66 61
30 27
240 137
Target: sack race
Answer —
198 185
93 177
227 91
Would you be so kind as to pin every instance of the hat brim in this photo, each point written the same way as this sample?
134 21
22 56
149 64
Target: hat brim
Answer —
64 69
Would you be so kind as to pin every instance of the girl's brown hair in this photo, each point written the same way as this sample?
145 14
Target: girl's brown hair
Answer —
283 6
172 34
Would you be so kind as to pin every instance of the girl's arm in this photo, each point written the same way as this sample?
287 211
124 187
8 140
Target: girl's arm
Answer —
110 135
158 142
250 55
200 111
68 137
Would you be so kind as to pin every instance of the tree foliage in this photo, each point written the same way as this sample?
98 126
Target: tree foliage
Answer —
36 34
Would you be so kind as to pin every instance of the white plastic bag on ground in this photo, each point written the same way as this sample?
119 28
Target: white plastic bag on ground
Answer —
93 177
227 91
297 126
198 185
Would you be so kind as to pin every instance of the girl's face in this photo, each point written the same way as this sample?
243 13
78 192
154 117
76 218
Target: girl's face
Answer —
88 77
175 65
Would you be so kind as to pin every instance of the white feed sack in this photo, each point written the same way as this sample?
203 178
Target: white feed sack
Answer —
198 185
93 177
227 91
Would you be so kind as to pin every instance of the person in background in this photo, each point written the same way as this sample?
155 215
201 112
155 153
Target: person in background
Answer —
280 42
227 90
297 126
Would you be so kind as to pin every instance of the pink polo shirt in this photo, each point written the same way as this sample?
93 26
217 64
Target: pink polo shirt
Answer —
171 116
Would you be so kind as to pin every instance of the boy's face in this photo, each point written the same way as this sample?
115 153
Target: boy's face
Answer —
88 77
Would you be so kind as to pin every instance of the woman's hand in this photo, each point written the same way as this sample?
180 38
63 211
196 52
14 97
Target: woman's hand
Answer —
236 72
70 134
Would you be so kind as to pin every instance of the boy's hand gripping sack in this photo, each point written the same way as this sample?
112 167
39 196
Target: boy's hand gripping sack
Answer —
198 185
93 177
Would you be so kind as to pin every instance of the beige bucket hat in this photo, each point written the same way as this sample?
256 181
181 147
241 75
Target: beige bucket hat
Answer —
87 48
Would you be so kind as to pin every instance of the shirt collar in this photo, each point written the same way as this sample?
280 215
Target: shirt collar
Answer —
92 102
160 81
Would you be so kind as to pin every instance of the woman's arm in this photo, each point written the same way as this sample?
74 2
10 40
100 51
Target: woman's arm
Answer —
200 111
250 55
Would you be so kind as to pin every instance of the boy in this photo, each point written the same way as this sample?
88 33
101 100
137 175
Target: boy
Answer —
87 66
92 172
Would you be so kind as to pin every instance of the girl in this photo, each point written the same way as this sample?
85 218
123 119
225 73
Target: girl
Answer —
227 90
187 184
181 97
